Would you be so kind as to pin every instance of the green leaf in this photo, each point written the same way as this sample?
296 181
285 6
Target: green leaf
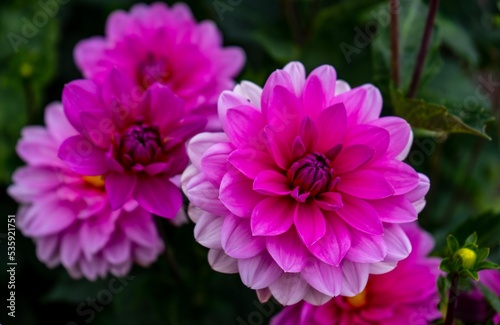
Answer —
486 225
482 253
472 239
458 39
452 243
487 265
492 298
445 265
431 117
469 273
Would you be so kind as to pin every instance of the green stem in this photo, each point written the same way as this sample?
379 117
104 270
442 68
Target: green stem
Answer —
452 299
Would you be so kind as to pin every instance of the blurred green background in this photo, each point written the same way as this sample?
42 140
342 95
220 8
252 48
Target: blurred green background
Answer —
462 74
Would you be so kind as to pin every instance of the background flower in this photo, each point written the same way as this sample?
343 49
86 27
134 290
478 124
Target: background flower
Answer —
161 44
68 214
304 192
406 295
129 140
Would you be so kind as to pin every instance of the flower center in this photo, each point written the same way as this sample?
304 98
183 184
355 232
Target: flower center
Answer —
311 173
153 70
97 181
140 144
357 301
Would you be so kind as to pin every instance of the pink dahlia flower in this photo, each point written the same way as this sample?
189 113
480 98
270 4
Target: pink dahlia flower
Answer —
68 214
406 295
491 279
304 192
157 44
135 142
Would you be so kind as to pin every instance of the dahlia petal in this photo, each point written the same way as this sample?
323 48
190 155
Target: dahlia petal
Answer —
251 161
323 277
341 87
250 91
354 278
121 98
395 209
201 142
289 289
88 52
83 157
116 24
243 125
272 216
398 243
310 223
281 153
237 239
369 135
221 262
119 188
313 98
360 215
117 250
30 182
366 248
382 267
278 78
309 133
334 245
297 74
46 247
57 123
207 231
70 249
400 134
352 157
365 184
214 162
328 77
372 105
237 195
329 201
284 116
315 298
61 218
233 59
331 136
94 235
202 193
138 225
416 196
159 96
269 182
258 272
402 177
36 147
263 295
228 100
78 96
288 251
187 127
158 195
97 127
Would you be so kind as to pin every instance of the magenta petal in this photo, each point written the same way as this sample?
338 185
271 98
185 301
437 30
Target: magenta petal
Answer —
365 184
272 216
203 194
366 248
310 223
398 243
351 158
360 215
83 157
243 126
329 201
400 134
331 124
297 74
214 161
309 133
237 239
289 289
395 209
402 177
313 97
138 225
119 187
40 225
220 262
269 182
78 96
332 248
354 278
368 135
323 277
70 249
237 195
159 97
207 231
328 77
117 250
158 195
278 78
258 272
288 251
120 97
251 161
201 142
88 52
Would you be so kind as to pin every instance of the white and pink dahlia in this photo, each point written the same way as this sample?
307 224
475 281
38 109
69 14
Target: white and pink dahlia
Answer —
304 191
161 44
68 214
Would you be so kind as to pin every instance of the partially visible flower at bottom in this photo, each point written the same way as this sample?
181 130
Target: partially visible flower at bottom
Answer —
406 295
69 216
472 306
